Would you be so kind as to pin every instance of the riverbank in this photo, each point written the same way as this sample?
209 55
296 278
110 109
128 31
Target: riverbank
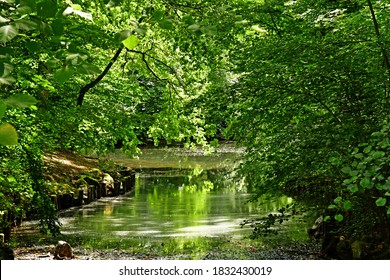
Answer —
212 249
76 180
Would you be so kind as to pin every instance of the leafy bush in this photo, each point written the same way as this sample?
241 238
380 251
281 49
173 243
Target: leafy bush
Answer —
366 190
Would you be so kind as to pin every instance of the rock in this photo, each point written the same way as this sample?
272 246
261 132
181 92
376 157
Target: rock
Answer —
343 249
108 184
63 251
317 230
357 249
334 245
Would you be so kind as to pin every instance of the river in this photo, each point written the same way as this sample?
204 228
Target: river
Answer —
178 194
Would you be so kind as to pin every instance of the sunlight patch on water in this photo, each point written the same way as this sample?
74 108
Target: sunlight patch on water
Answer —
122 233
147 232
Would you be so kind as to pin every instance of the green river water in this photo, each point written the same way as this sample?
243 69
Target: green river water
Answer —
179 194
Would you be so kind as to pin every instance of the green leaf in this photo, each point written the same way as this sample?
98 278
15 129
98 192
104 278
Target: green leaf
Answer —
26 25
166 24
259 29
3 107
334 161
339 217
346 169
359 156
64 74
243 22
377 154
7 33
131 42
11 179
338 200
353 188
354 173
76 7
24 10
361 166
385 186
377 134
4 51
3 19
194 27
27 7
326 218
7 80
209 30
8 135
158 15
332 206
388 211
365 183
349 180
7 69
21 100
73 48
76 58
45 28
381 201
52 63
88 69
367 149
33 46
47 9
58 27
187 19
347 205
123 35
140 31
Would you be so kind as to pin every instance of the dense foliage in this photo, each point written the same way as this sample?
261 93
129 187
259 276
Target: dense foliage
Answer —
303 85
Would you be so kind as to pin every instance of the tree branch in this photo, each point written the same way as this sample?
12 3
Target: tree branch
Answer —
378 35
147 64
144 54
87 87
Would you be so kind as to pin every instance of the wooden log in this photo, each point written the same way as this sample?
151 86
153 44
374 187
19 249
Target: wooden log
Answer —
67 200
103 191
116 188
78 199
99 192
127 184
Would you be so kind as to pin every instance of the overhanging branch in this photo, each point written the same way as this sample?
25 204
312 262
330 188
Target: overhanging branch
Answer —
143 55
87 87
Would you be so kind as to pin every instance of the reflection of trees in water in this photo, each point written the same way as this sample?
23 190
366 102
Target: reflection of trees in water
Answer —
177 202
108 209
188 193
190 180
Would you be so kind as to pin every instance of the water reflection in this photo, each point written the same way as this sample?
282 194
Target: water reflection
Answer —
174 203
177 194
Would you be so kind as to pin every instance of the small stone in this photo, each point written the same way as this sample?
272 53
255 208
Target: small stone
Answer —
63 251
